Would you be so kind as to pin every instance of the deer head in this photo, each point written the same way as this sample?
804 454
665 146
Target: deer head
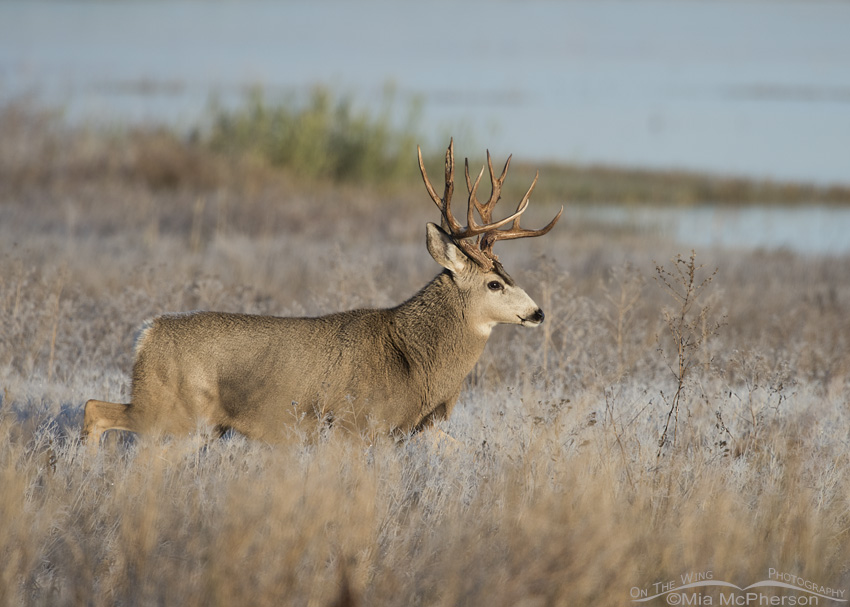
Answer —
467 251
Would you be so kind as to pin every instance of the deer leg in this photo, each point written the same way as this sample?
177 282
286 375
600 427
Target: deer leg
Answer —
427 433
101 416
435 438
442 440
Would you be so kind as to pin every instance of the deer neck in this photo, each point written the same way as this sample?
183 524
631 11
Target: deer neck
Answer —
433 331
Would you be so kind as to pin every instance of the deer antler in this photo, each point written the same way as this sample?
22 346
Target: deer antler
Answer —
481 250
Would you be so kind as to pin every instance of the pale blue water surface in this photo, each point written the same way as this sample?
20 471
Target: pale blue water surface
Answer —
810 230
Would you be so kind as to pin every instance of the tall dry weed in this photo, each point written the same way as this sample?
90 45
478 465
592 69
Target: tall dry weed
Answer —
688 326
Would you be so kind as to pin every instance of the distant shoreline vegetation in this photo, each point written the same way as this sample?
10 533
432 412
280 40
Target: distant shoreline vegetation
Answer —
328 137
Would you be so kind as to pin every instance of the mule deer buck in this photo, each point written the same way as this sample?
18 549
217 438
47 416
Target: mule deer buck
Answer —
392 371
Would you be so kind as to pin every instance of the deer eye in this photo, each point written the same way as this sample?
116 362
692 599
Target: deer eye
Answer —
495 285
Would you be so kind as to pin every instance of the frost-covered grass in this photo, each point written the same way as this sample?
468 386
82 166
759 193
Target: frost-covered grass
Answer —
560 493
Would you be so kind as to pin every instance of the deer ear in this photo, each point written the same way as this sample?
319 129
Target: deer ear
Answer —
444 251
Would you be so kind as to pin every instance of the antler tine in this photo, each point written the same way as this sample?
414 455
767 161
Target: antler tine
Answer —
527 194
473 199
516 232
495 188
444 204
450 186
437 200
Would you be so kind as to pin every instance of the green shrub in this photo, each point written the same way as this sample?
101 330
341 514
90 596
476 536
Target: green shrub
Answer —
324 137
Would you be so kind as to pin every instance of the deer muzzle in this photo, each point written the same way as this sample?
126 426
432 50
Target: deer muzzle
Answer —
535 319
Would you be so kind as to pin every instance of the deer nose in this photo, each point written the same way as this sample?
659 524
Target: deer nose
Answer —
538 316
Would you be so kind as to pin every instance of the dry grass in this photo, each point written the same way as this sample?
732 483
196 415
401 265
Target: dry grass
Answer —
560 497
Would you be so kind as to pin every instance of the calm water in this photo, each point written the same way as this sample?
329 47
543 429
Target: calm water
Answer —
760 89
813 230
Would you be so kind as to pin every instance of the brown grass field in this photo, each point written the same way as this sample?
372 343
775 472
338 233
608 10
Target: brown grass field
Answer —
563 492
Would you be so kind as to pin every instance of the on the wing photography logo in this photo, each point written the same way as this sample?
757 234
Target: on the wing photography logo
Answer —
779 588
